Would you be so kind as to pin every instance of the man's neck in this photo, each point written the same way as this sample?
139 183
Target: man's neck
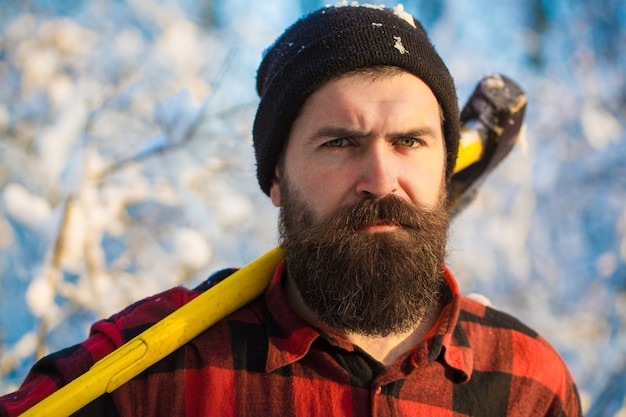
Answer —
385 349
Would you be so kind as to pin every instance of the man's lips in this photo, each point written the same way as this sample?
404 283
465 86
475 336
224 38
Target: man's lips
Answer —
378 227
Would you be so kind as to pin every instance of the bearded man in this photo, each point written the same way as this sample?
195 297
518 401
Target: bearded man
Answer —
356 137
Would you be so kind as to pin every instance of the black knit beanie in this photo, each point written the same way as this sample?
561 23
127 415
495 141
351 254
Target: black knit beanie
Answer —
331 42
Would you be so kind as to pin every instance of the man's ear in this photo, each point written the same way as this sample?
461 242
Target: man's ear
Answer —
275 189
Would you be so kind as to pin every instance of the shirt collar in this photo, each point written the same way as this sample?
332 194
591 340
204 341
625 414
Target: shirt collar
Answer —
448 342
290 337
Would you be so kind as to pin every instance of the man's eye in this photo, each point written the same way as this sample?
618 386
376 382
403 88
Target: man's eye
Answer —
409 142
337 143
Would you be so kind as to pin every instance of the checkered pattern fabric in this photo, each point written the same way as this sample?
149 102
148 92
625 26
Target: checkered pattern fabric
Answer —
264 360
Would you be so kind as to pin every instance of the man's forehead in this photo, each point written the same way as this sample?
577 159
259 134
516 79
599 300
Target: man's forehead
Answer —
392 91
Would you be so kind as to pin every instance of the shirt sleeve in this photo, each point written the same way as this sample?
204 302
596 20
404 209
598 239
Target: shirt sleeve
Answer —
53 372
58 369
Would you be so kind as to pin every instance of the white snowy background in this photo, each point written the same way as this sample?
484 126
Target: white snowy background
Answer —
126 165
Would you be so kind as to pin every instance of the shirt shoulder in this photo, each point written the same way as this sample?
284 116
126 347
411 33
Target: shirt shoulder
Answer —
139 316
57 369
480 313
142 314
495 333
502 344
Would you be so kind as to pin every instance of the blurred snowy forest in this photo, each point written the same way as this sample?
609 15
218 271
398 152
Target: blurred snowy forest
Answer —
126 165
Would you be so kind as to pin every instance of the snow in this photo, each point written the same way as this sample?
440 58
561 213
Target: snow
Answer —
346 3
192 248
56 142
125 137
399 11
27 208
398 45
600 127
40 296
21 350
178 115
128 43
7 237
4 117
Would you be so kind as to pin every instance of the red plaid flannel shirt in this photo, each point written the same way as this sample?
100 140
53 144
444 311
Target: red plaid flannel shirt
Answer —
264 360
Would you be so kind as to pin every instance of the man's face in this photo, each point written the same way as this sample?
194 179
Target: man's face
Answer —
357 137
362 203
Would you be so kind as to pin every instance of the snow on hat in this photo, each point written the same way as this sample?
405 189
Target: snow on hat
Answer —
333 41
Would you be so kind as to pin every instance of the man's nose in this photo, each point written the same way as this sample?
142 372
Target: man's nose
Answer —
378 172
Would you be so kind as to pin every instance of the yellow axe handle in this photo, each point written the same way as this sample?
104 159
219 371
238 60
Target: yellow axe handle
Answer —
175 330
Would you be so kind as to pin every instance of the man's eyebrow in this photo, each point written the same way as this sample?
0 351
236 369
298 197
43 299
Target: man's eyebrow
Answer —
421 131
344 132
337 132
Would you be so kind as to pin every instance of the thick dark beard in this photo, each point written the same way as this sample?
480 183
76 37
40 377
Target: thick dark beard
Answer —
372 284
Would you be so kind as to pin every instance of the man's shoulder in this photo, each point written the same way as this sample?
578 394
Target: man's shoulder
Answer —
480 312
501 344
144 313
496 336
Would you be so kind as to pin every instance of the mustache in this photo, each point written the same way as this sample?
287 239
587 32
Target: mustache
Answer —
385 210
